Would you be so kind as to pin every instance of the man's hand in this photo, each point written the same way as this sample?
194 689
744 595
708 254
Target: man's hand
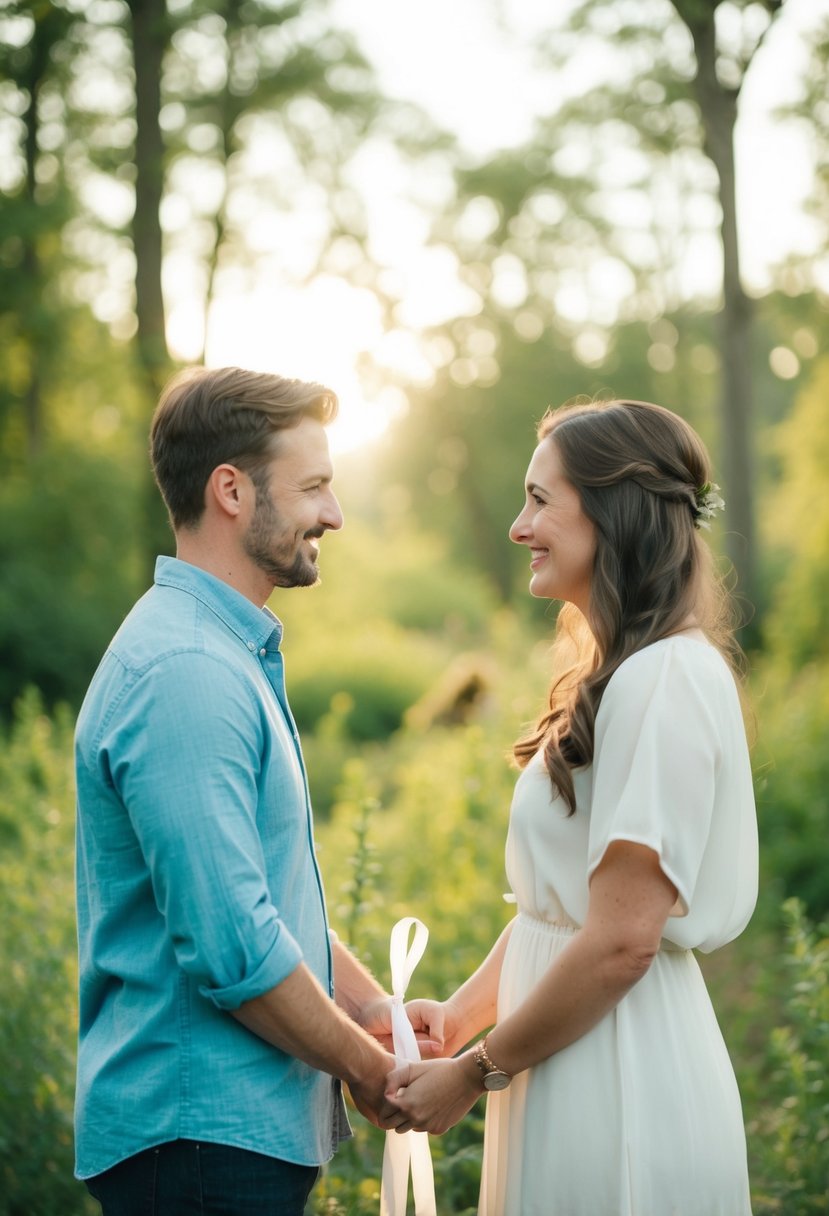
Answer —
433 1095
372 1100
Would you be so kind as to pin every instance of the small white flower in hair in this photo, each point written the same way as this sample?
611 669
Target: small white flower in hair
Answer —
708 503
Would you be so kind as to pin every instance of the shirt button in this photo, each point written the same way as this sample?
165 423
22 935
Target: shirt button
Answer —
251 646
262 653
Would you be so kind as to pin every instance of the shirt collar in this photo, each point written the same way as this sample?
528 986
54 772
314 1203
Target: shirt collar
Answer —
255 626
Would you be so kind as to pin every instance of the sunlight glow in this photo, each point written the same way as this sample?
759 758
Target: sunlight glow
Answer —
337 333
316 333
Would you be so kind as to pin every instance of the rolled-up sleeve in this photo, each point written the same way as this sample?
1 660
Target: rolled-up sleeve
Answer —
189 747
285 955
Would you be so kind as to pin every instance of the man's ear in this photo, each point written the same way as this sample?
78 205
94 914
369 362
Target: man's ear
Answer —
227 490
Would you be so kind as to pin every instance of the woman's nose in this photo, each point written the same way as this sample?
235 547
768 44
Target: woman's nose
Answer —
520 529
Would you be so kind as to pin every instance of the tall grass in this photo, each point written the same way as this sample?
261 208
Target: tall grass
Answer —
417 827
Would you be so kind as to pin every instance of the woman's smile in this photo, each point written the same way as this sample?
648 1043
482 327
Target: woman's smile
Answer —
561 568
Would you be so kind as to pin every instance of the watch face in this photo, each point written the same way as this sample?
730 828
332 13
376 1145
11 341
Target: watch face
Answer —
497 1080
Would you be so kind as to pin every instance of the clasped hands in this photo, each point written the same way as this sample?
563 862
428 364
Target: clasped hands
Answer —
430 1095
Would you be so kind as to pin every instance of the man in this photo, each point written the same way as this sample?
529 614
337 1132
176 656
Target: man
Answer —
209 1041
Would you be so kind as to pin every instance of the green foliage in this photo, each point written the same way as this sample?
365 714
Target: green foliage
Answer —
408 775
791 676
461 454
365 646
417 828
372 679
437 845
382 568
792 780
65 551
425 841
37 945
797 525
793 1129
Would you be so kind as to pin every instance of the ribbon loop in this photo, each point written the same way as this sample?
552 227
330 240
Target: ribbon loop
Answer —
411 1149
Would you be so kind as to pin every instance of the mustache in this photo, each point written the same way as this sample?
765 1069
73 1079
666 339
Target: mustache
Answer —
315 533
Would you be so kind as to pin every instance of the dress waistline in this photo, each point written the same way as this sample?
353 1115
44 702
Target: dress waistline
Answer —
563 925
567 927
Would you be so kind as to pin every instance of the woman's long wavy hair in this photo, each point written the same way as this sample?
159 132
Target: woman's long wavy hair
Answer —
637 469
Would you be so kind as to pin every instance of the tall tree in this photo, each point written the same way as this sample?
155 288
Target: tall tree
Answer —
150 39
208 79
35 202
809 110
245 72
601 217
720 74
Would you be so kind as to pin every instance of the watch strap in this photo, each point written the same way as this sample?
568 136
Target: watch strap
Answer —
484 1061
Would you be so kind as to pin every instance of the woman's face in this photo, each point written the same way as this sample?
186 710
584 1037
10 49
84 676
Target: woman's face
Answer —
553 526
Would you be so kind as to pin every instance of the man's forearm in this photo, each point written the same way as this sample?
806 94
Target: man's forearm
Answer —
355 988
298 1017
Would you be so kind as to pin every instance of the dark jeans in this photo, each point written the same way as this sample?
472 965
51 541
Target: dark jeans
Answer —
186 1178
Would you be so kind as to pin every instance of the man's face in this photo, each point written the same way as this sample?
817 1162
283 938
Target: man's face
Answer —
295 505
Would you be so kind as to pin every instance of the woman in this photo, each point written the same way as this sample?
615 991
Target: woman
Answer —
632 842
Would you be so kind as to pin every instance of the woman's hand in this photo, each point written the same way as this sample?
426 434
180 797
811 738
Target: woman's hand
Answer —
427 1019
434 1094
441 1023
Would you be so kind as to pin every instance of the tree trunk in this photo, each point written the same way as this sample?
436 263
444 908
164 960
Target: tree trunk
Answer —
149 43
718 107
33 404
50 27
150 38
228 112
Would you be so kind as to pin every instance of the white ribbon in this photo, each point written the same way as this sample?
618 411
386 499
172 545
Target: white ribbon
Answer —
407 1149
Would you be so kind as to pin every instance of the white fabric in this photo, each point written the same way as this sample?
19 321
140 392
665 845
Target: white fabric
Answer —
641 1116
408 1149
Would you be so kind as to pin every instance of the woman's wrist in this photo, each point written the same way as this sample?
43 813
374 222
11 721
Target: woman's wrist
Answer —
458 1024
470 1071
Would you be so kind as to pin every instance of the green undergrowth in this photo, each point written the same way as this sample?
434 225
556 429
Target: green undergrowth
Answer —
415 827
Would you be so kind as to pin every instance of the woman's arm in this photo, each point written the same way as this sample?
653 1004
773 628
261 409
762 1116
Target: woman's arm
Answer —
630 899
471 1009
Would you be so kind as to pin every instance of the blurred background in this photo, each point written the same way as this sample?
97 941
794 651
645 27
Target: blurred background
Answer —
456 215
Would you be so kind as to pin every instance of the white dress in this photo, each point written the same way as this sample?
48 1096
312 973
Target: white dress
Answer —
641 1116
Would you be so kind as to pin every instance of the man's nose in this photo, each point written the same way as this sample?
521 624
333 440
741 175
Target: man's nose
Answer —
332 515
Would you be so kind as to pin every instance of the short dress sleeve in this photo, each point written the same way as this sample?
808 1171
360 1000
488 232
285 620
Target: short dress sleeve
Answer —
657 753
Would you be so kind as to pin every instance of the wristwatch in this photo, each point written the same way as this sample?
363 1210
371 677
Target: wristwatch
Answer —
493 1076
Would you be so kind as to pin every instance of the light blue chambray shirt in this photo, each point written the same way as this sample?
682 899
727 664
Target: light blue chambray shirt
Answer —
197 885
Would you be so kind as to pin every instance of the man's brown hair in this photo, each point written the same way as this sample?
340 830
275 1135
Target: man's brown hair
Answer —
226 415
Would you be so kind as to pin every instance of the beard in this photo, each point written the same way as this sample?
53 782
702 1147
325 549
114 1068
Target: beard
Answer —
283 561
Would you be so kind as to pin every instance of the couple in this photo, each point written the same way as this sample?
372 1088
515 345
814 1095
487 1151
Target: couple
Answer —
219 1015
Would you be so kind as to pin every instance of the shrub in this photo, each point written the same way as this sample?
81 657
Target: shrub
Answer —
378 571
792 770
37 944
68 575
370 676
417 828
793 1126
